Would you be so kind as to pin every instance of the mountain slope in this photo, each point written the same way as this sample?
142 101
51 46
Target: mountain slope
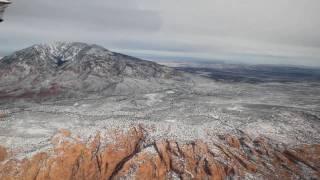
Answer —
72 69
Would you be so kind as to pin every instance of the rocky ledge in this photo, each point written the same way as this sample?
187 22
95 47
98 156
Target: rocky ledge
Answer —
131 155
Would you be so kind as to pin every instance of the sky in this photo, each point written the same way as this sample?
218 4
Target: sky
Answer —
237 31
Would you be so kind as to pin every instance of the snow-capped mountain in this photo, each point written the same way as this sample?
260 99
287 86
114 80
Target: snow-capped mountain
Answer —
74 68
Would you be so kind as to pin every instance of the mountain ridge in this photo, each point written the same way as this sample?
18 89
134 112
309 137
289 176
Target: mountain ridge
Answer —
43 68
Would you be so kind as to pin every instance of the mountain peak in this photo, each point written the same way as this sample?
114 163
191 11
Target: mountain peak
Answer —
67 51
73 67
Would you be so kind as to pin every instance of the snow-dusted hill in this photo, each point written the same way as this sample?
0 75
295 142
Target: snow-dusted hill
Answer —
75 69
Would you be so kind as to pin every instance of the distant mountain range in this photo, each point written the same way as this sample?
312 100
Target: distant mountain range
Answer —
74 69
245 73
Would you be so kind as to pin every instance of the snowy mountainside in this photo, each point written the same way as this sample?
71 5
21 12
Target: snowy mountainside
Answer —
75 69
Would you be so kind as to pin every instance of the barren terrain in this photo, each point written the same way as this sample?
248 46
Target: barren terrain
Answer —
192 107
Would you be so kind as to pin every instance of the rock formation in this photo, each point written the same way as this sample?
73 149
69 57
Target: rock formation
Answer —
73 70
130 156
154 122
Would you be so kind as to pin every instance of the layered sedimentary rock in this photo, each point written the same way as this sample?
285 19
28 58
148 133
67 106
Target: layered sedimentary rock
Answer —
131 156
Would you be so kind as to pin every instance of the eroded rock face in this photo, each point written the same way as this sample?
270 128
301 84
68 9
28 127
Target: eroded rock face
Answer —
3 153
131 156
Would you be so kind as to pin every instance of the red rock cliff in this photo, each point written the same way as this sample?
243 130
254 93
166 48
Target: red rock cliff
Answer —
129 156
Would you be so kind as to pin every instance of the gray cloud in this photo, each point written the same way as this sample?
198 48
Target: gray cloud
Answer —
93 15
285 31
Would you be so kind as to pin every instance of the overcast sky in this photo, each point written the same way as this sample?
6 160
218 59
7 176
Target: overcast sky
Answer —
250 31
